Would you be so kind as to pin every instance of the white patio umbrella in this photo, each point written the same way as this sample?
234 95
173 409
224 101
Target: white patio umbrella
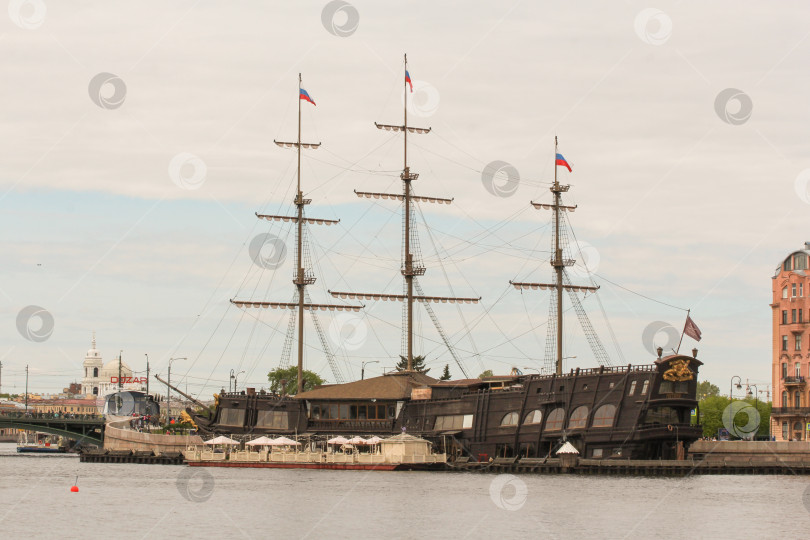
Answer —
374 440
221 440
337 440
261 441
284 441
358 441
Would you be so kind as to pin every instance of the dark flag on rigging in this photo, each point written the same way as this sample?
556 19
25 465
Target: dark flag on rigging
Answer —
691 329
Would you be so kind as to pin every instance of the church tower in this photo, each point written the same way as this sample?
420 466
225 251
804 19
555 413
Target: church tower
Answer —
92 368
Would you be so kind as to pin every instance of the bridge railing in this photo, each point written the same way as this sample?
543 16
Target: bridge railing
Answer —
33 416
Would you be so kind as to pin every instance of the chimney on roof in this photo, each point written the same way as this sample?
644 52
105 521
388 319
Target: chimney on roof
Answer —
807 245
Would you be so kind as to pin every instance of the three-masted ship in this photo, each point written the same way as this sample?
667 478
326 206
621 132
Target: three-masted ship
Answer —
629 411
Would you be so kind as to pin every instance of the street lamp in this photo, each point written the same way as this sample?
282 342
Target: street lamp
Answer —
363 367
169 391
731 388
235 379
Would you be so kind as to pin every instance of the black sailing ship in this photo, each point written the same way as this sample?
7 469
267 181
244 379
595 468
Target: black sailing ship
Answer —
628 412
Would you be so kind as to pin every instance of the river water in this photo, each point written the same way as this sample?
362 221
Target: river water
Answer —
161 501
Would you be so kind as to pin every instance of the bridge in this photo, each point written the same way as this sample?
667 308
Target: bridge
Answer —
83 428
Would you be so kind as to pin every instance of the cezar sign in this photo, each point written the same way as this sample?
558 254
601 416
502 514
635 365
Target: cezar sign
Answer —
128 380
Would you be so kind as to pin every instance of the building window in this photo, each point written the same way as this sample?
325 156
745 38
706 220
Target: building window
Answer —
95 372
784 291
632 389
785 400
785 434
784 316
801 289
798 344
534 417
797 399
793 290
784 369
603 417
597 453
787 265
555 419
798 369
510 419
800 314
792 315
784 343
579 418
800 261
645 387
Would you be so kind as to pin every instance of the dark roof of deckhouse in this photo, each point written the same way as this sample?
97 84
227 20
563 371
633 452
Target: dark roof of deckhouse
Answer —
391 386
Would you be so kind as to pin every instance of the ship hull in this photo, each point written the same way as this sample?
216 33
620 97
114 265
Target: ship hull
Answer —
628 412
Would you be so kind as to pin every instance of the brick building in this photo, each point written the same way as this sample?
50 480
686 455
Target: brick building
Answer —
791 347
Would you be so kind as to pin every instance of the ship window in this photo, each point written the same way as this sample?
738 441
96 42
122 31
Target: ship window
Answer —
372 412
603 417
555 419
584 386
681 387
232 417
510 419
391 412
333 411
534 417
632 388
617 451
454 422
661 415
579 418
611 385
316 412
344 411
597 453
645 387
272 419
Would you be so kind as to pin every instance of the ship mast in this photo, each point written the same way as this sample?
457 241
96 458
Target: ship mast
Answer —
558 262
302 277
410 268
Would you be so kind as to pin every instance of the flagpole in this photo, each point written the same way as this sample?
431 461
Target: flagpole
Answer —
688 311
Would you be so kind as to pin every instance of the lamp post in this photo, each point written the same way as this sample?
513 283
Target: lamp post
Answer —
363 368
235 379
731 387
169 390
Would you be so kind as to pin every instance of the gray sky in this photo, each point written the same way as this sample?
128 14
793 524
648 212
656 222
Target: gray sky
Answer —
682 198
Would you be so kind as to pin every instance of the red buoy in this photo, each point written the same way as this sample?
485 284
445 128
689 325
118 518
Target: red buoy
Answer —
74 489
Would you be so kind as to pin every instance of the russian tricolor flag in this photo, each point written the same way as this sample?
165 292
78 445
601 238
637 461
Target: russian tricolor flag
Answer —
305 96
561 161
408 80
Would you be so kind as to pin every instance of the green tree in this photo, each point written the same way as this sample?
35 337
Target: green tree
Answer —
285 380
418 364
712 409
446 374
706 389
487 373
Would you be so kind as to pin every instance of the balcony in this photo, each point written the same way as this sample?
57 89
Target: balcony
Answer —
793 381
795 411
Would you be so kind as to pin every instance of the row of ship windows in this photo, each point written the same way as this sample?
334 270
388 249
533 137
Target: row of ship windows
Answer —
603 417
